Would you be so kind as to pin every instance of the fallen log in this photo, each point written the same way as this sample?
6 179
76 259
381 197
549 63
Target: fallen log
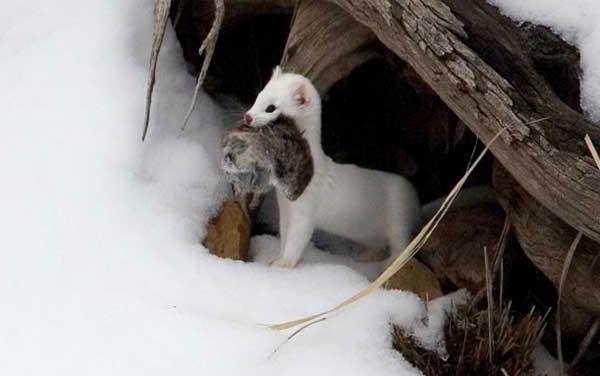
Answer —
469 55
478 63
545 239
326 44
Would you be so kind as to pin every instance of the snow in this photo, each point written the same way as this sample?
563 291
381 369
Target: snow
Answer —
578 23
101 270
543 362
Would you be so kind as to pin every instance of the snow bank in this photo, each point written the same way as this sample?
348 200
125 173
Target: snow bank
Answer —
578 23
101 272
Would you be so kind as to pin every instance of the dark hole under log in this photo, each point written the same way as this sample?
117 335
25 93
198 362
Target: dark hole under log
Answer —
247 50
382 117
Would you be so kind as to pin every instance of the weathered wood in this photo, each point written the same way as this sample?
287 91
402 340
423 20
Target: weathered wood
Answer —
547 157
545 239
161 16
326 44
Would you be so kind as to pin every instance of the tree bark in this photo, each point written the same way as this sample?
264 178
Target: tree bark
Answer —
326 44
545 239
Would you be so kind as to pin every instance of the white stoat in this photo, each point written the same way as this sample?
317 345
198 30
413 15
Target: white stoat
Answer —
373 208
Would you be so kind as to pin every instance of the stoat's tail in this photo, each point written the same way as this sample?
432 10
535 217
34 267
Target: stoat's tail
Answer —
468 197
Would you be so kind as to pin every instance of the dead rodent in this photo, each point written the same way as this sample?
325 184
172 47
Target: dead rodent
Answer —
276 154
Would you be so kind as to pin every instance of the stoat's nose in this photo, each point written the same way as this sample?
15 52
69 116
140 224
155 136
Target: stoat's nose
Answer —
247 119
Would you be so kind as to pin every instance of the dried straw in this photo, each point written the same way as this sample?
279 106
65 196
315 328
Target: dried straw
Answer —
466 335
563 277
490 305
593 150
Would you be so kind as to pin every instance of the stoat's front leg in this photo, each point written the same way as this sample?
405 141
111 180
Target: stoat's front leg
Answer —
297 230
277 251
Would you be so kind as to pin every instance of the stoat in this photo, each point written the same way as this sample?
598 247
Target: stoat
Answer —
373 208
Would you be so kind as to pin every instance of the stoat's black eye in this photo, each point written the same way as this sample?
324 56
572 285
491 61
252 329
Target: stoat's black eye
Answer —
270 108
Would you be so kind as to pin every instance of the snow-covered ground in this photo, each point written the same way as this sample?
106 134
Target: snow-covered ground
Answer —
101 270
578 23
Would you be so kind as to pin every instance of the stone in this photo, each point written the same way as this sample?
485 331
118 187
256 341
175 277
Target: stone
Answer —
228 234
418 278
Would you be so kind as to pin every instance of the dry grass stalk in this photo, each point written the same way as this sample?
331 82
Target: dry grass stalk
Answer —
415 245
207 48
467 344
295 333
497 265
563 277
161 16
490 304
593 150
501 245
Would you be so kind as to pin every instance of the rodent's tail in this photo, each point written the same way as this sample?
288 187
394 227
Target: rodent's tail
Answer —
468 197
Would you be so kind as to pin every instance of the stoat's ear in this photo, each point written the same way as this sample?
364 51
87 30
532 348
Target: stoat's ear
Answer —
277 72
301 95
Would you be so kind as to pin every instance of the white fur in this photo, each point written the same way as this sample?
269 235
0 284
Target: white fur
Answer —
374 208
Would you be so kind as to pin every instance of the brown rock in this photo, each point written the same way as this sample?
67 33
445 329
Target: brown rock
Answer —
455 249
228 233
418 278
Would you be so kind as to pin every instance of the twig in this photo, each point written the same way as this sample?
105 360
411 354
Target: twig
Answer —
207 48
161 16
411 249
563 277
179 13
586 342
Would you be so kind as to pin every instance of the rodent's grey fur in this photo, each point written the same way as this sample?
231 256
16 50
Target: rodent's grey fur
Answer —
276 154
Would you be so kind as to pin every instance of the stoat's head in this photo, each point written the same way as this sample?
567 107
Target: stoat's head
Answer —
286 94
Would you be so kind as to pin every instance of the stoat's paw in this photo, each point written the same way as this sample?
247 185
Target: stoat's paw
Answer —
281 262
271 260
